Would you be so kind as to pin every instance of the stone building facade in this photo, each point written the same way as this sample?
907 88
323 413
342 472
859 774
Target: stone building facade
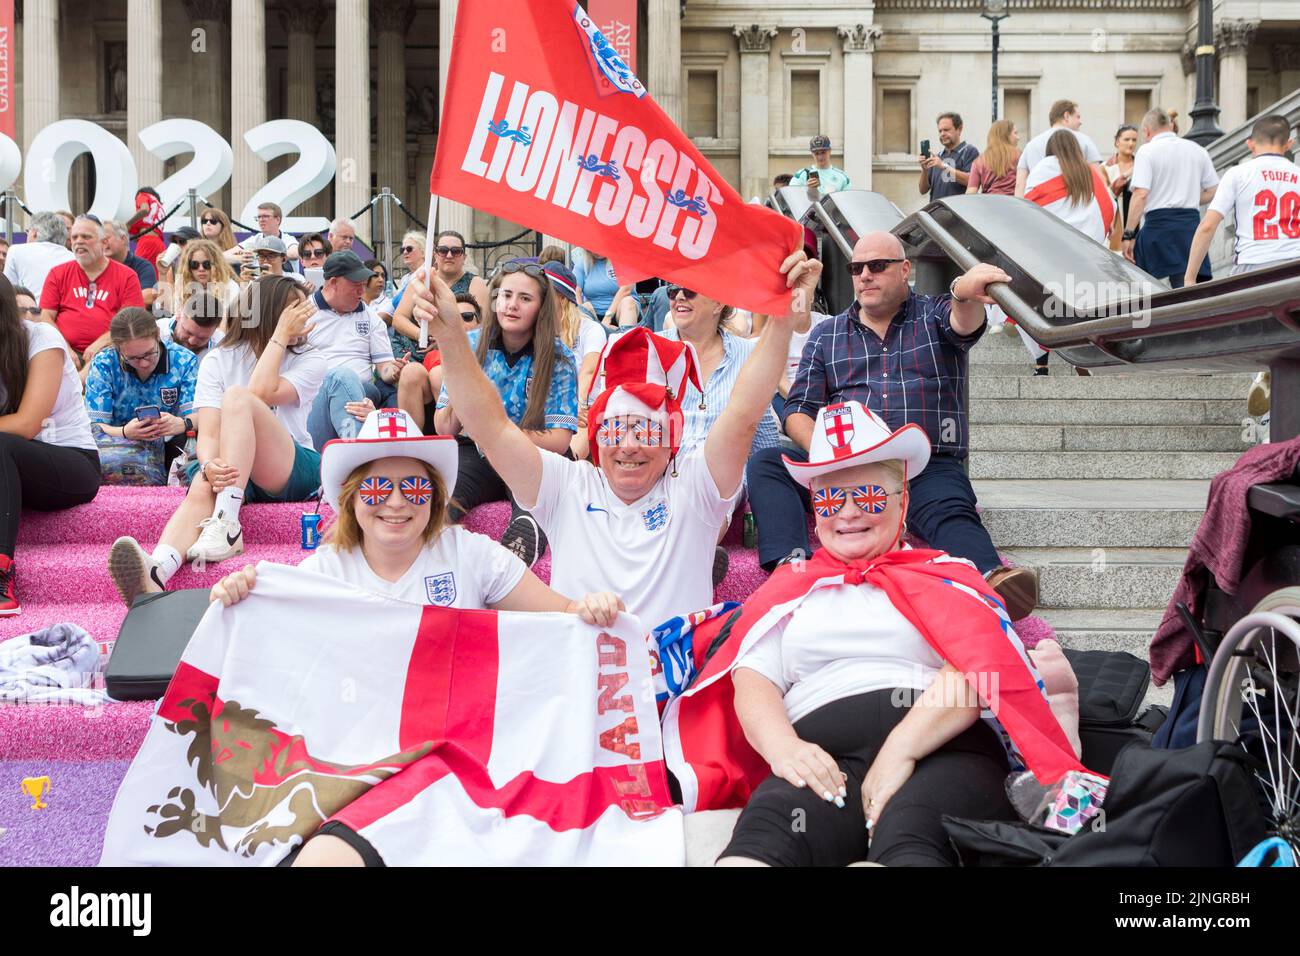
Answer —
750 81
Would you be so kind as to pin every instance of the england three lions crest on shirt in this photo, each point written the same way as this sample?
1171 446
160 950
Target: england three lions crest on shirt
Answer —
440 589
363 327
655 517
168 396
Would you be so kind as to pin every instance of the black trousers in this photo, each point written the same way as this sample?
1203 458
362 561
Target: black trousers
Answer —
45 477
477 483
784 825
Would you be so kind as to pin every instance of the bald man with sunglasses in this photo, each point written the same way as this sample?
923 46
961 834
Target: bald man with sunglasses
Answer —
903 355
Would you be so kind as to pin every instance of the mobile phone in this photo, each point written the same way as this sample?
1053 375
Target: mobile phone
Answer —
315 276
145 412
925 147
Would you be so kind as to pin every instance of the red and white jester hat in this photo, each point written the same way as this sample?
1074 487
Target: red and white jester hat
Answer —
645 375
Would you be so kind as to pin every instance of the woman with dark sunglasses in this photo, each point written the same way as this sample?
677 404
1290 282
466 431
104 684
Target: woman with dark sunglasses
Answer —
202 270
140 394
48 457
214 225
858 678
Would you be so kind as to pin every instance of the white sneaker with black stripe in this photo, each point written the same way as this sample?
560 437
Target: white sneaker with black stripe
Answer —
133 570
220 538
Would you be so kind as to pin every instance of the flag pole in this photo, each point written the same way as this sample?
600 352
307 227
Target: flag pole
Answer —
428 261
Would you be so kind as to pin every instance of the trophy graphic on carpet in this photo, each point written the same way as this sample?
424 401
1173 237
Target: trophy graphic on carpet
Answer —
37 788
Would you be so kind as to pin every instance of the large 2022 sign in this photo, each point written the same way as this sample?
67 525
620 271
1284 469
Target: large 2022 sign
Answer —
57 146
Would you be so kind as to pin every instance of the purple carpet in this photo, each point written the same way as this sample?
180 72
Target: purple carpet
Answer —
62 563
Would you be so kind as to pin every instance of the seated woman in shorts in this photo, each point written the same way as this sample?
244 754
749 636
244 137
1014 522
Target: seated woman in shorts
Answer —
251 402
391 536
861 699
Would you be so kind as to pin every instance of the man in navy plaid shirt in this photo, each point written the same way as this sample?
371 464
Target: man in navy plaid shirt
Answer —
903 355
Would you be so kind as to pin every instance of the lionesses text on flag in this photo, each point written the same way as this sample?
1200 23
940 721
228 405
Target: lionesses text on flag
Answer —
544 125
545 162
440 736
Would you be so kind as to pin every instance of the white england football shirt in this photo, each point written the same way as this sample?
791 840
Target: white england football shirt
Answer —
355 340
458 569
656 553
1262 195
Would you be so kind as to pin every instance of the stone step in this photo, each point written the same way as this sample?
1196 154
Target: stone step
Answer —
1103 577
1162 387
1104 629
1106 438
1022 513
1101 464
1099 411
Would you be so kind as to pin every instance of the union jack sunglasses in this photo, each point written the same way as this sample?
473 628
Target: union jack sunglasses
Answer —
612 431
417 489
872 499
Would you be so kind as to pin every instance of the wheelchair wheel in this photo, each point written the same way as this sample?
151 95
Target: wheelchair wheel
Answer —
1251 697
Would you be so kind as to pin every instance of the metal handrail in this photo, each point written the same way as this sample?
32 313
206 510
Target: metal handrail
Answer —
1225 309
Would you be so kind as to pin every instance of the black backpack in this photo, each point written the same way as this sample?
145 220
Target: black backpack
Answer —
1199 806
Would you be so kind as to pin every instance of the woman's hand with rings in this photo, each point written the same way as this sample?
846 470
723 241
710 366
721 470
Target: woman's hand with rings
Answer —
804 764
888 772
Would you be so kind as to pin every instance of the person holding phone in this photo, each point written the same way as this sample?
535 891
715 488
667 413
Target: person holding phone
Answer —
821 175
946 173
140 395
251 402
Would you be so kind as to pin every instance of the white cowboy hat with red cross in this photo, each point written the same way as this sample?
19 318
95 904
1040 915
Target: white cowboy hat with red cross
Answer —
386 433
848 434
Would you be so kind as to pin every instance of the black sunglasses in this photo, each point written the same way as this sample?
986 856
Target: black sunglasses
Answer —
210 222
312 253
874 266
529 269
469 316
676 290
406 249
199 264
448 250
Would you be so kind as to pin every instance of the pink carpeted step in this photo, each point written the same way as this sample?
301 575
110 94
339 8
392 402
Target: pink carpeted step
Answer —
113 731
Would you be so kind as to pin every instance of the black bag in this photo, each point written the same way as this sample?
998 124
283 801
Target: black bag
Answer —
1112 686
154 634
1199 806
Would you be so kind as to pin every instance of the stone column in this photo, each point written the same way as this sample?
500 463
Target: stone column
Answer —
451 215
664 60
208 59
143 83
859 101
247 97
1232 41
352 103
301 24
40 67
755 47
392 22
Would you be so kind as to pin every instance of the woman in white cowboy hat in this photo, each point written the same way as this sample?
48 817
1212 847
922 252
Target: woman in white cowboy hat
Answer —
853 675
388 488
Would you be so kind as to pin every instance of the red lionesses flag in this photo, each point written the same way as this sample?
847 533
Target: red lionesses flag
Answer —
544 125
617 20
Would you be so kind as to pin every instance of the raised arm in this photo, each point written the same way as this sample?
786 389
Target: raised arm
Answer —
266 382
727 447
478 405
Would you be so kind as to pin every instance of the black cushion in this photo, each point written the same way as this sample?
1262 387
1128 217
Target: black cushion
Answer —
154 634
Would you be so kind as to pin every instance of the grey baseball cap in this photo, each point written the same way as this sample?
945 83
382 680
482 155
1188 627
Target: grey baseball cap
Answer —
820 141
270 244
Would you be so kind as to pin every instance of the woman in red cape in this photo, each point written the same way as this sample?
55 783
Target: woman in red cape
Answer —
859 681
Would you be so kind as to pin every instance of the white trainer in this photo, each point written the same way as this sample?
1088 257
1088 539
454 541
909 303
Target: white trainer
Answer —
219 539
133 570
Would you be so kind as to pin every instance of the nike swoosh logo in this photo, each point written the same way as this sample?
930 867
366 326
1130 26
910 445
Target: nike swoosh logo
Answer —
592 507
231 541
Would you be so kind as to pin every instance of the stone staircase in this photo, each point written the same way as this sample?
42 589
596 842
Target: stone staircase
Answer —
1098 481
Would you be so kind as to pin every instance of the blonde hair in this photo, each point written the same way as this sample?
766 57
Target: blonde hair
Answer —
220 275
570 322
414 237
1000 155
345 534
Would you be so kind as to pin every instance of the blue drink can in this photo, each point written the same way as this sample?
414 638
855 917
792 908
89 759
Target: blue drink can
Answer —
310 531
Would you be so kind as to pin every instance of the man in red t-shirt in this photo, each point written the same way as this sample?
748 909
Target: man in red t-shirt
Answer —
82 296
149 211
